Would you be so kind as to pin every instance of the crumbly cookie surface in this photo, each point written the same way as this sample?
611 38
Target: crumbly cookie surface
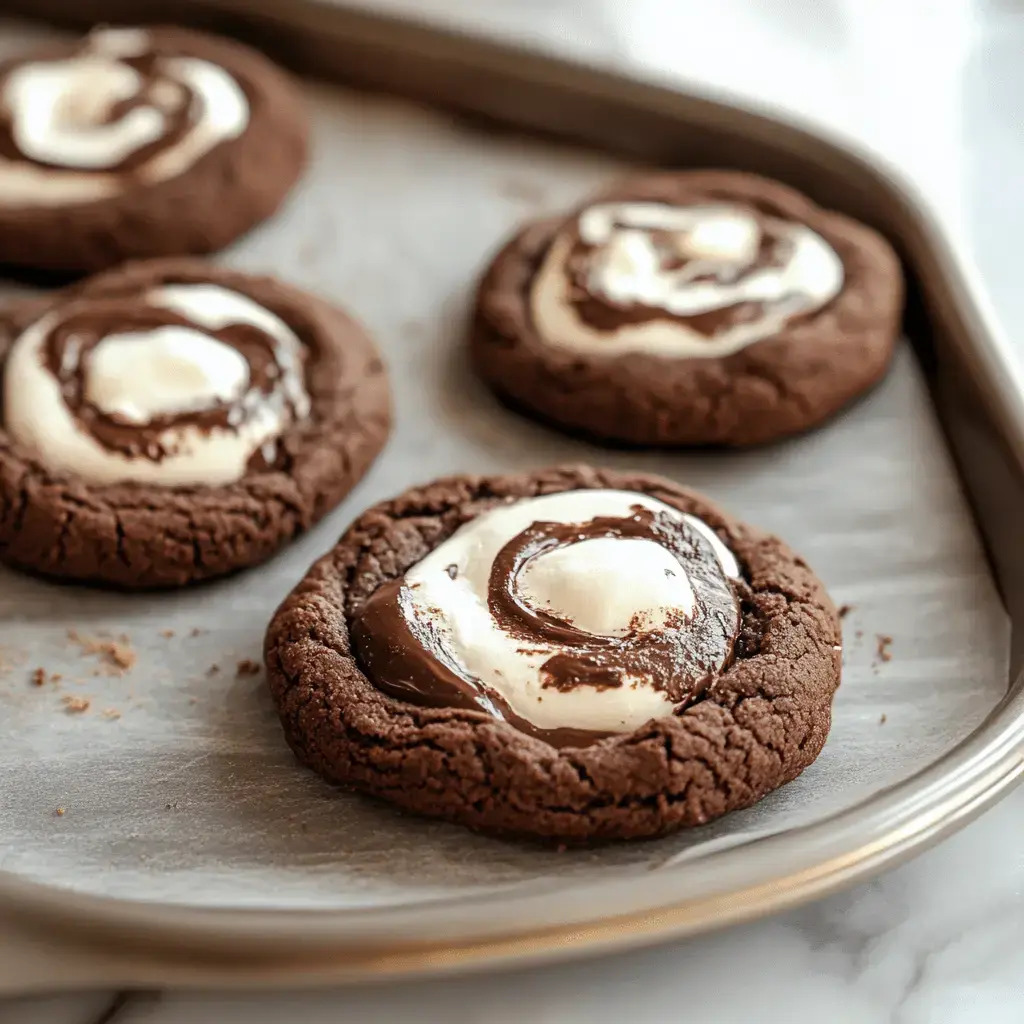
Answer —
764 721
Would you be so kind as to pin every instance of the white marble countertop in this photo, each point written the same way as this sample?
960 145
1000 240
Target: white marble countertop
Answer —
938 88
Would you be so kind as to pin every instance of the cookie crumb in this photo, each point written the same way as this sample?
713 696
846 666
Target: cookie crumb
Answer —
76 705
884 643
116 655
39 677
111 714
121 655
59 812
167 633
248 667
213 670
883 719
844 610
56 677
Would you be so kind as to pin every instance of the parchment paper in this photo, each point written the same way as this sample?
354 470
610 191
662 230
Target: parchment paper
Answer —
175 783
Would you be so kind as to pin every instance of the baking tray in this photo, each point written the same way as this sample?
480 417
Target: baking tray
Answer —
192 849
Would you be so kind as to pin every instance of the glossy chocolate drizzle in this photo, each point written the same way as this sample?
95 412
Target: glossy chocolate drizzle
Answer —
178 102
410 659
604 313
69 345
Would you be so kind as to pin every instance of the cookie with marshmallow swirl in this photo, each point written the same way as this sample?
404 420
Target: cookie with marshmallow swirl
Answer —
141 142
169 421
690 308
573 653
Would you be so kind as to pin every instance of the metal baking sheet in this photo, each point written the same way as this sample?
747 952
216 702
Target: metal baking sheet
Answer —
173 790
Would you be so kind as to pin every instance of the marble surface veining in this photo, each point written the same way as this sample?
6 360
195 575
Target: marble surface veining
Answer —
937 88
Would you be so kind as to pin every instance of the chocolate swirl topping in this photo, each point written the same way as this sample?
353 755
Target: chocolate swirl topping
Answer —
604 310
272 383
117 111
411 658
179 104
175 385
706 279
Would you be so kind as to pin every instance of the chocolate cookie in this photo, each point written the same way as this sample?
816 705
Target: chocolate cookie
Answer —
573 653
694 308
139 142
170 421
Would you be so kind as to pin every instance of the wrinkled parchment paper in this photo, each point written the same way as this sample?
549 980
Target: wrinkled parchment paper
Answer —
175 784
